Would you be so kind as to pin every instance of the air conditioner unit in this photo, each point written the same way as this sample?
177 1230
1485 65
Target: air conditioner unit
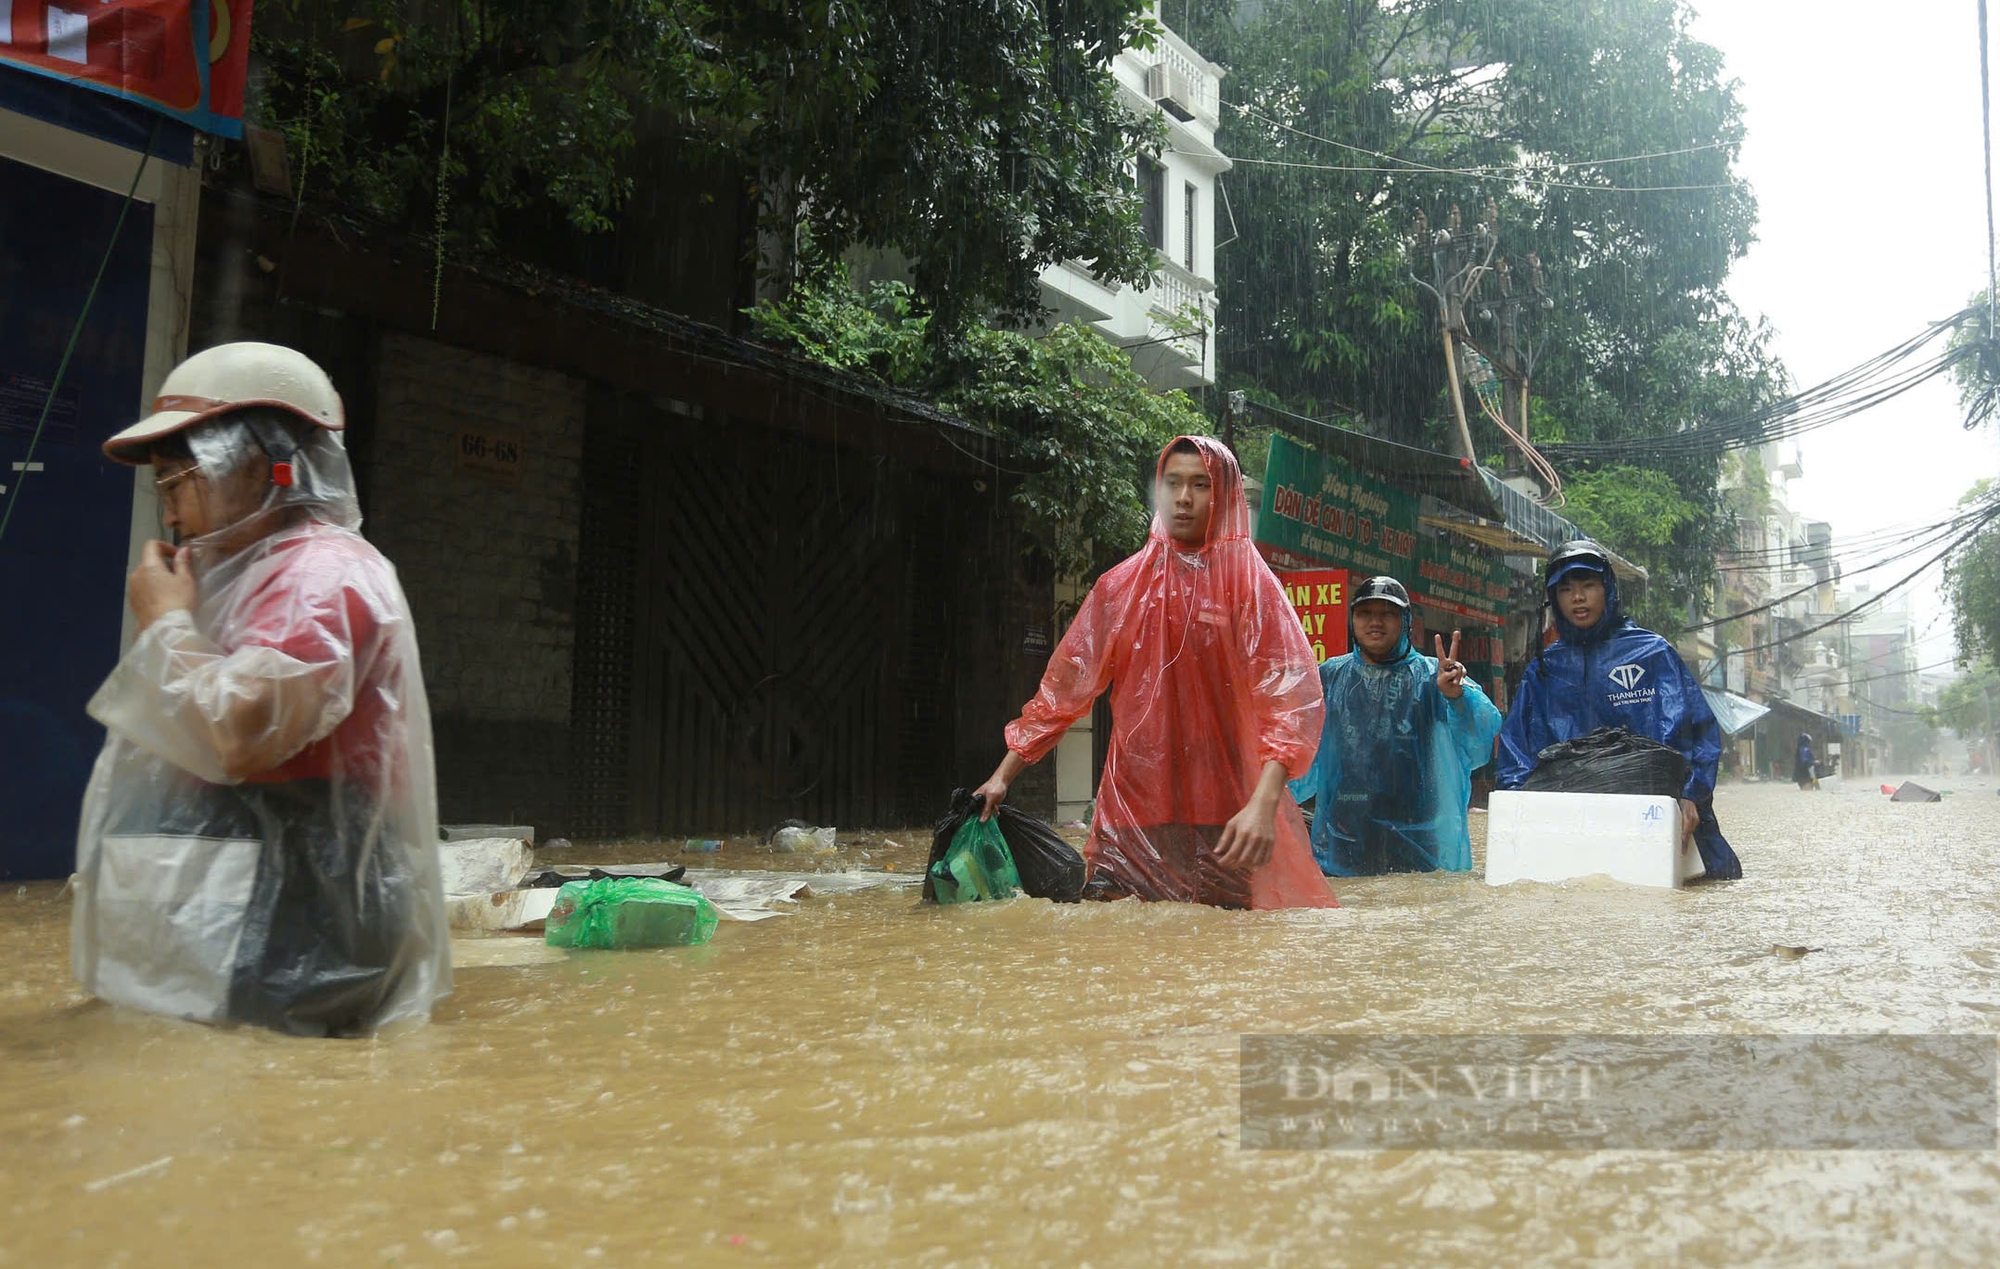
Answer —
1170 90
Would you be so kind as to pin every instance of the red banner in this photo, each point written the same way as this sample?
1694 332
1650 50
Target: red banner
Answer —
1319 596
185 58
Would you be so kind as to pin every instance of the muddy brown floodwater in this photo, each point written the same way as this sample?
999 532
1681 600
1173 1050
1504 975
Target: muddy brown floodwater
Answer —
869 1082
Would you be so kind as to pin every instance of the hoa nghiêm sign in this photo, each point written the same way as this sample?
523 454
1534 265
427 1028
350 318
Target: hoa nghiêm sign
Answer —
187 59
1319 597
1460 581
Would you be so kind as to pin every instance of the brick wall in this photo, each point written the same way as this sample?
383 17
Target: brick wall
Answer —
487 557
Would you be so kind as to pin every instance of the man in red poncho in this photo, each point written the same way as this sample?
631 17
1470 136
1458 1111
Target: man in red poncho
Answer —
1215 701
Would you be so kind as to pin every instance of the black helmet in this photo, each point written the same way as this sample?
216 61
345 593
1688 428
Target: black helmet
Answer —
1385 588
1574 554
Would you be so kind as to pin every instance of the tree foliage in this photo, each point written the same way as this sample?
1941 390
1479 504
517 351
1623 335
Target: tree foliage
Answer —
1978 373
1086 427
1643 515
1604 136
1966 705
1972 582
982 142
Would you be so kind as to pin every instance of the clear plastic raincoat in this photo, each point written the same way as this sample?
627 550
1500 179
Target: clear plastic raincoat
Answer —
259 837
1393 776
1211 677
1619 674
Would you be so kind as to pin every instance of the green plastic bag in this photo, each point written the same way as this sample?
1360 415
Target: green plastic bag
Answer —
976 866
625 912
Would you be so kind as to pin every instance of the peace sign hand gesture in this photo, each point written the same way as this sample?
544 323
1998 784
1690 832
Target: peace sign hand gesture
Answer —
1451 671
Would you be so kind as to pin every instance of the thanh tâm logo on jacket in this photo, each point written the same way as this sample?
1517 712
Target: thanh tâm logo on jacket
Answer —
1628 676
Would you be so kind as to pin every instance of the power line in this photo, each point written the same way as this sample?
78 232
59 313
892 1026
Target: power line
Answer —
1817 561
1986 131
1879 379
1880 678
1496 171
1781 600
1839 547
1903 674
1878 596
1879 708
1844 558
1444 171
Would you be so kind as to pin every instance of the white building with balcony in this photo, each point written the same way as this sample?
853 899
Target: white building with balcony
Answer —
1168 329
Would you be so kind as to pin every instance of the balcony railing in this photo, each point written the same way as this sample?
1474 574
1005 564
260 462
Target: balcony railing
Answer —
1203 94
1177 293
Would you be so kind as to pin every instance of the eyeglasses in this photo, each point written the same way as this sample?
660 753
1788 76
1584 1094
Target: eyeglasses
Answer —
163 483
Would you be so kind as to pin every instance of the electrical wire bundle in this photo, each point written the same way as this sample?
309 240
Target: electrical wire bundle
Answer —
1904 542
1967 528
1879 379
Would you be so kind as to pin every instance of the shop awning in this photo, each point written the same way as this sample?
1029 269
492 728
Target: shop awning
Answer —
1810 719
1735 713
1529 530
1442 476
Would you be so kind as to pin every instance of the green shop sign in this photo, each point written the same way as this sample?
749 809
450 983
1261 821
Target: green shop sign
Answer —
1317 508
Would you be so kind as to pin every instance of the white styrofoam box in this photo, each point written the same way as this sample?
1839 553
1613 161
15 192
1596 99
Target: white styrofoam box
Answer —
483 865
1563 836
505 910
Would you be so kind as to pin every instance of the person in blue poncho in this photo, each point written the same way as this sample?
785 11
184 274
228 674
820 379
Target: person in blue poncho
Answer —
1805 772
1606 671
1404 732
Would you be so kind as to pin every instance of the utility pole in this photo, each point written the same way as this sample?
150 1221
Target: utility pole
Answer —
1459 261
1461 265
1513 354
1235 409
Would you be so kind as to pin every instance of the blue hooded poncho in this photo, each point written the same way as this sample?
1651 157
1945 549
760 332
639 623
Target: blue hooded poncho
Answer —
1618 674
1393 775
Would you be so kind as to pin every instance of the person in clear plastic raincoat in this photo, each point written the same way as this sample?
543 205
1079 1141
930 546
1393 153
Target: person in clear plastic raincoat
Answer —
259 837
1215 705
1404 733
1605 670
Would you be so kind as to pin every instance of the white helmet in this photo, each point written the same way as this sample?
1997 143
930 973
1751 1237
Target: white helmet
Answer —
229 377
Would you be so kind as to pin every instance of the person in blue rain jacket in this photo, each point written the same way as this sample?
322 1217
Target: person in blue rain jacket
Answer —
1403 734
1606 671
1805 772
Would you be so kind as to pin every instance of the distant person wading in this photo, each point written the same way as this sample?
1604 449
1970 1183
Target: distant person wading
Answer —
1805 770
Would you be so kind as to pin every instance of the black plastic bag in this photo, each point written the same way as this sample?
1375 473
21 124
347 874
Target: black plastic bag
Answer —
1050 867
1609 760
553 878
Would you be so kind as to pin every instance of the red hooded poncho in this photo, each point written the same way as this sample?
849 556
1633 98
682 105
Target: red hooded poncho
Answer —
1211 677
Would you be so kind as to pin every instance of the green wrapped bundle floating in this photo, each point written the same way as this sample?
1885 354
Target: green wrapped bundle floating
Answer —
627 912
977 865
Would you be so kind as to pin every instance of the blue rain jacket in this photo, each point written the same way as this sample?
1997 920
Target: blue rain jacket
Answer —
1394 770
1619 674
